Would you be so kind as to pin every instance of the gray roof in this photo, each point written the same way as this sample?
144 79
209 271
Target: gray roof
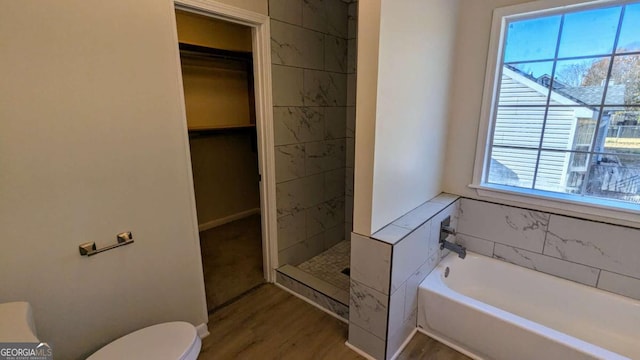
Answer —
592 95
585 95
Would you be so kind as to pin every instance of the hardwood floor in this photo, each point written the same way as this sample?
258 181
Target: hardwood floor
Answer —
269 323
231 260
425 348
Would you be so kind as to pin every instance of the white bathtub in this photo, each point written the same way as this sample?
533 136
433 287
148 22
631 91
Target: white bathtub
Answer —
489 309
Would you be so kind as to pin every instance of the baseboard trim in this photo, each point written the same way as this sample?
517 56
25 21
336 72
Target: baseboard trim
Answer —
359 352
203 330
404 344
227 219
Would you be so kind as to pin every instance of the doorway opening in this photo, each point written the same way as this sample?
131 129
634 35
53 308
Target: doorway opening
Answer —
224 82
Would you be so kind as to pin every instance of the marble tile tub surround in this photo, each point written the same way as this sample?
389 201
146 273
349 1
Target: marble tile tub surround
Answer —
592 253
313 132
386 270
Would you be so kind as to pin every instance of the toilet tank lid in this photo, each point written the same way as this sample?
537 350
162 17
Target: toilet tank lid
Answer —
16 322
172 340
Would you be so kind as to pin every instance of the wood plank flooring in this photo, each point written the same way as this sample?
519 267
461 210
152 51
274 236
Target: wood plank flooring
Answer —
231 260
269 323
425 348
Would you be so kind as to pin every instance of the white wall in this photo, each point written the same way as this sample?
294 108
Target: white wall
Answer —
407 129
93 142
366 100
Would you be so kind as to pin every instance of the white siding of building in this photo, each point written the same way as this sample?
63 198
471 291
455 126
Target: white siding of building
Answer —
522 127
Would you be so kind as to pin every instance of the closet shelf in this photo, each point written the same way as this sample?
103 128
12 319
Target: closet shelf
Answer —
198 50
219 129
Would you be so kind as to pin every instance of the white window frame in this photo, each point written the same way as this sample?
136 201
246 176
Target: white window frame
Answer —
551 200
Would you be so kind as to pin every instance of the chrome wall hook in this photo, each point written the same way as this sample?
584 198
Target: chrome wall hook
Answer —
89 248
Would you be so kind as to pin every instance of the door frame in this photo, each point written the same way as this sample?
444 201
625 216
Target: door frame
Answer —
261 50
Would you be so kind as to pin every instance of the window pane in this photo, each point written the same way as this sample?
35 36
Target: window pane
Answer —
624 85
520 127
569 128
630 31
567 119
589 32
582 81
618 179
520 86
532 39
514 167
553 170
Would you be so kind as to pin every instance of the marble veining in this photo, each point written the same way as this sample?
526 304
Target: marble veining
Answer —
295 46
325 155
552 240
291 230
524 229
335 54
371 262
568 270
325 215
289 162
294 125
334 184
324 88
335 123
317 297
409 254
294 196
326 16
368 309
589 252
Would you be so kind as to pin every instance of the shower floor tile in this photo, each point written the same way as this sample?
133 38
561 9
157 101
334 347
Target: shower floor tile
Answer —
329 265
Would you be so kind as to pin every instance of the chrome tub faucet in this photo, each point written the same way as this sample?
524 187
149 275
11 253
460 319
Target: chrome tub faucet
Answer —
445 231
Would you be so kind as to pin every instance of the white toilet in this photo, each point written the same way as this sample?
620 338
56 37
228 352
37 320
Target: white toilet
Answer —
171 341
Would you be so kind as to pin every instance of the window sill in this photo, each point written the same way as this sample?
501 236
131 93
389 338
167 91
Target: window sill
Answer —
598 209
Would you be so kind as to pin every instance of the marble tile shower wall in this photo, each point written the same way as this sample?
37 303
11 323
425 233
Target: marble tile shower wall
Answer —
386 270
310 64
592 253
